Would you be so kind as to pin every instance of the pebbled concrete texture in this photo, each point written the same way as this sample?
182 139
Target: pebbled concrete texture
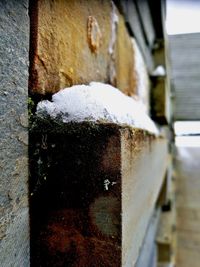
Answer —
14 46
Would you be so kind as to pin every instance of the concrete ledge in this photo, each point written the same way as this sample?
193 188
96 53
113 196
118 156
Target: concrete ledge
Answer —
93 188
144 162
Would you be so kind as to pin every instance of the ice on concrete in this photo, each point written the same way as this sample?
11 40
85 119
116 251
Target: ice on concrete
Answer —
96 102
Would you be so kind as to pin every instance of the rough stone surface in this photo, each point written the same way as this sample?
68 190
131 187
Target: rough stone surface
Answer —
86 183
14 45
76 42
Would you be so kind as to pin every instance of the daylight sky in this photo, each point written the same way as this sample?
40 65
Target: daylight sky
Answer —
183 16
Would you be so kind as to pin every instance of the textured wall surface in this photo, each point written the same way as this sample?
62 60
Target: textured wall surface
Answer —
75 42
14 229
144 162
93 191
75 200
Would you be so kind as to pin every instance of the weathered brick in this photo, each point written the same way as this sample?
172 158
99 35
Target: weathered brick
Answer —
75 42
93 192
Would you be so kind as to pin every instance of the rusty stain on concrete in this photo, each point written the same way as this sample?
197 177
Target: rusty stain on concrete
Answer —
73 217
66 241
79 207
94 34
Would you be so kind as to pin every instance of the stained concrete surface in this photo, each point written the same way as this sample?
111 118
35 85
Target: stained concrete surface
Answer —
188 206
92 175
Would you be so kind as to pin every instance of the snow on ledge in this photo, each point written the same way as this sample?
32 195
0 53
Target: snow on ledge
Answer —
96 102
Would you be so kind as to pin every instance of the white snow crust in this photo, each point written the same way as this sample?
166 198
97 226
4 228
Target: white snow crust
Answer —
96 102
159 71
114 22
141 76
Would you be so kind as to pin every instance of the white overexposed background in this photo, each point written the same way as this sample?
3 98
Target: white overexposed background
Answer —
183 16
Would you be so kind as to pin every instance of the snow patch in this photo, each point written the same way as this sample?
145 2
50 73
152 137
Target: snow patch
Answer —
96 102
141 76
159 71
114 22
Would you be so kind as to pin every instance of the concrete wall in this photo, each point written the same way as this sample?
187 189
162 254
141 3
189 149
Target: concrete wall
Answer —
14 46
